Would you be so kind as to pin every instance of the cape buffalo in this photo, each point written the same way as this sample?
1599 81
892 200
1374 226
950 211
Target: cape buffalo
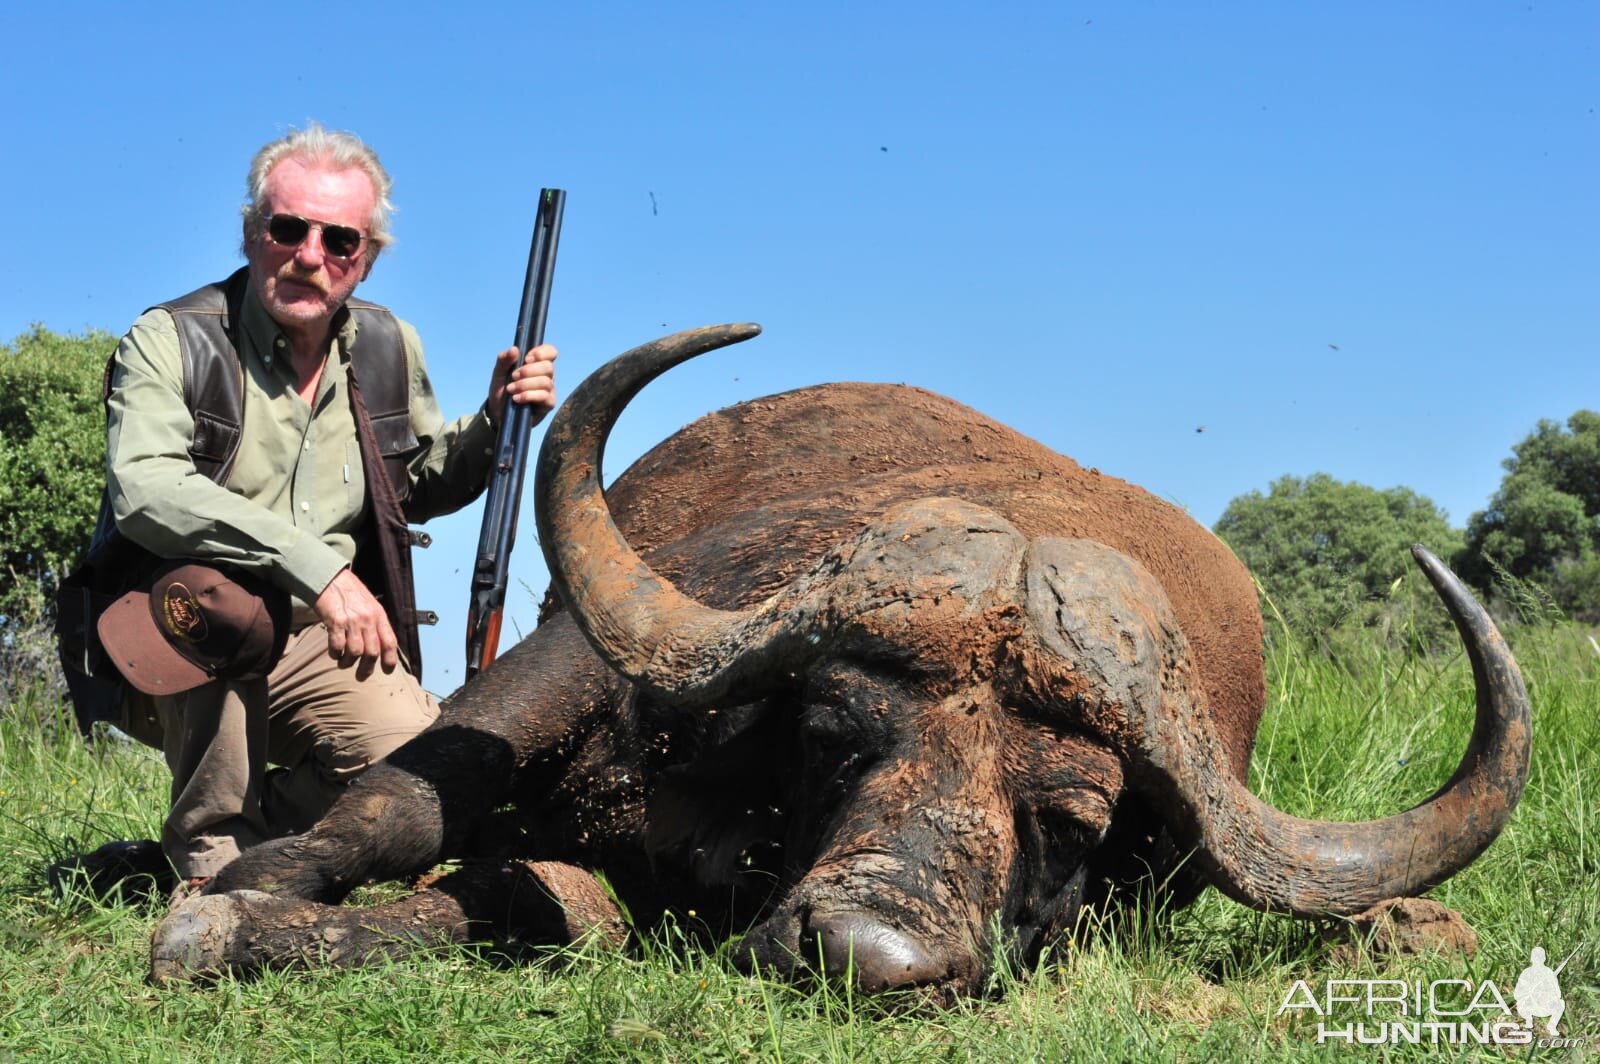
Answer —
867 678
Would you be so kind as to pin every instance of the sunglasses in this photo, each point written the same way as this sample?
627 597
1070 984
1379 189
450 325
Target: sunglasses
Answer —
291 230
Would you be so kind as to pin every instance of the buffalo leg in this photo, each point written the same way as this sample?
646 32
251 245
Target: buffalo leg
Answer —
426 801
542 903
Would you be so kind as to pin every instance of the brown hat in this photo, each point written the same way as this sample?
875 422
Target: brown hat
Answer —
194 624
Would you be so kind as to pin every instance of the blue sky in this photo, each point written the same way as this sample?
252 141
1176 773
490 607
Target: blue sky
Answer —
1357 238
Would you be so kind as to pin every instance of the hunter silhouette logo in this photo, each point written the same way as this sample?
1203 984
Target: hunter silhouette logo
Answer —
1538 993
181 609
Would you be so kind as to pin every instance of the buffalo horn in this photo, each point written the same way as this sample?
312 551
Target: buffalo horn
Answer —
1269 860
678 650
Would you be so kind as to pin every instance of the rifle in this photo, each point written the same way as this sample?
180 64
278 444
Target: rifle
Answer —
504 494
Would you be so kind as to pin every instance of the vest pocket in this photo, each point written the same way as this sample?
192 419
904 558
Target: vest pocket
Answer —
214 440
394 433
397 442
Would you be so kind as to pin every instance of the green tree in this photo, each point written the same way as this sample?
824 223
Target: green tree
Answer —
52 463
1543 524
1331 554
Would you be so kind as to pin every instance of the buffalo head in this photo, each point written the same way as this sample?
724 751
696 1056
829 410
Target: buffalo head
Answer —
970 708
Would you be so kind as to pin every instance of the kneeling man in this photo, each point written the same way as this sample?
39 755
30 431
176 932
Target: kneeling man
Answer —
270 438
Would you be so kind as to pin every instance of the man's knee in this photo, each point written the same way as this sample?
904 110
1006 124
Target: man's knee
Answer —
381 725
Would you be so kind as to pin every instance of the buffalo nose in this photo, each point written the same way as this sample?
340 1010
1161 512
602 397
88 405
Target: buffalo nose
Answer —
883 957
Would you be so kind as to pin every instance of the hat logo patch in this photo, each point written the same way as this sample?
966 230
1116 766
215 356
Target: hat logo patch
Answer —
181 611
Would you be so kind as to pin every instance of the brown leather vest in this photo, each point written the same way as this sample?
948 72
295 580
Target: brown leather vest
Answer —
213 390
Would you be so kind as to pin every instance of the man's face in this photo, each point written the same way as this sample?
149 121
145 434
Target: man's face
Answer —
303 287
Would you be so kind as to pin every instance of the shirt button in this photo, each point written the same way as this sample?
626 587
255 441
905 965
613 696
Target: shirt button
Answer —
307 446
278 343
305 507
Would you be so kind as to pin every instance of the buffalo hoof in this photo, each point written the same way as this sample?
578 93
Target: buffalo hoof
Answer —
248 931
1402 927
199 940
586 911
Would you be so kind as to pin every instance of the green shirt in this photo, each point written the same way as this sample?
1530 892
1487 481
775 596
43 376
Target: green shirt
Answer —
295 499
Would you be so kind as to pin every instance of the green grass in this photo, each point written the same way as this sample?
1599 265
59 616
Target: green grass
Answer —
1362 738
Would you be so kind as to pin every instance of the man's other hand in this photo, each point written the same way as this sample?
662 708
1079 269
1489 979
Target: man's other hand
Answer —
358 630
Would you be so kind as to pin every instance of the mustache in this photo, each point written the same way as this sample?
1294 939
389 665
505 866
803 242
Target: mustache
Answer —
313 279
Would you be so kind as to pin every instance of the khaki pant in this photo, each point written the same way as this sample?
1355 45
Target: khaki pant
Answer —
310 717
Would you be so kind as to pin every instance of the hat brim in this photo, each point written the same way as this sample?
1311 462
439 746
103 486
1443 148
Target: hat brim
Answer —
141 653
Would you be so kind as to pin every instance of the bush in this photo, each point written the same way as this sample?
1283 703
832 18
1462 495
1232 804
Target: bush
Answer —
52 465
1331 555
30 670
1543 524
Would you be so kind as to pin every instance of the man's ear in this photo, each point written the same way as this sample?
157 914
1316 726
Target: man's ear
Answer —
366 268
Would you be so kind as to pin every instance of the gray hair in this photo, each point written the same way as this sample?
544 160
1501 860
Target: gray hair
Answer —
335 150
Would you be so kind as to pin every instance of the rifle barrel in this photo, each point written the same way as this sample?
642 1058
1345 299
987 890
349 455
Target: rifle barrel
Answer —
503 497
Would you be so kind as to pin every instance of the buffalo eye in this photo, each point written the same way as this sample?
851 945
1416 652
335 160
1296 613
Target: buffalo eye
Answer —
832 741
847 719
1069 782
